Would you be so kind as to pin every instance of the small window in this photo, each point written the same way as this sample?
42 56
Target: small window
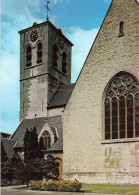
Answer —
55 56
28 56
39 53
121 29
64 62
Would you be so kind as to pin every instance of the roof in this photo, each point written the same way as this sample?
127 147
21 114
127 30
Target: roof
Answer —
19 134
61 96
35 25
56 121
9 147
4 135
53 122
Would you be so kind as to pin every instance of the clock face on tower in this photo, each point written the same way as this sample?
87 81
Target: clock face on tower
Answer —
34 35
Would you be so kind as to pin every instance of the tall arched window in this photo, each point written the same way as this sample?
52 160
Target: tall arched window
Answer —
39 53
46 140
28 55
122 107
55 55
121 28
64 62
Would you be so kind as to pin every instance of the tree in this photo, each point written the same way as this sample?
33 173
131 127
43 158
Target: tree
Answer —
24 172
39 168
34 143
30 145
40 148
52 168
3 153
26 145
8 170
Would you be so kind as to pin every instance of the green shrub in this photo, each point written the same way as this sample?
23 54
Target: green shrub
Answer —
62 186
69 186
52 186
35 185
44 186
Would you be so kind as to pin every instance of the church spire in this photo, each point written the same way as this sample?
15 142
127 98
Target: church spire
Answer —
47 9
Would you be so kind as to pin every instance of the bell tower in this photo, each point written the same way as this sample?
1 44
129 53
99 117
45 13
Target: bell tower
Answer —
45 63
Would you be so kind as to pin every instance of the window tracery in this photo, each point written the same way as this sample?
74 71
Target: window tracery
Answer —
46 140
122 108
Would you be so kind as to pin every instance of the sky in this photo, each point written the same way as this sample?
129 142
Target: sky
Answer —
79 21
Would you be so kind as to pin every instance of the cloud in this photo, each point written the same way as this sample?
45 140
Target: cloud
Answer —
11 24
16 15
82 40
107 1
60 1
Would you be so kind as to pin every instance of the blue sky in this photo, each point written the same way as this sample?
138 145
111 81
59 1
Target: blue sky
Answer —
79 21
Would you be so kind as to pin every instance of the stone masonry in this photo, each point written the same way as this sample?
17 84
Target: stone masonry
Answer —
39 82
87 156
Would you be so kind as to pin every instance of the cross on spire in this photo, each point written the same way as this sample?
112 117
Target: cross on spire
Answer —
47 9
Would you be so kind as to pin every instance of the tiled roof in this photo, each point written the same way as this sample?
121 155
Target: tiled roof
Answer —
61 96
9 147
4 135
27 123
54 122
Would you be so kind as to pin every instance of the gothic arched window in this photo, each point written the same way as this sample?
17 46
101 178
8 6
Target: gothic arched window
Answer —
39 53
55 55
28 55
122 107
64 62
121 28
46 140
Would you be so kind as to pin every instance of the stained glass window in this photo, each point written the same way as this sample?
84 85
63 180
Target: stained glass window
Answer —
122 107
46 140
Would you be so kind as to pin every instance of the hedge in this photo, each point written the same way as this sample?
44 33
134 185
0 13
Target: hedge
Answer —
61 186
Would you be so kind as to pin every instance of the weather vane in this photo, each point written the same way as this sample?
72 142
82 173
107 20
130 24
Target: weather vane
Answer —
47 9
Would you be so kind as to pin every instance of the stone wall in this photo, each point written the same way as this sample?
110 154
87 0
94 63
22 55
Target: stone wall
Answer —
55 111
87 157
39 82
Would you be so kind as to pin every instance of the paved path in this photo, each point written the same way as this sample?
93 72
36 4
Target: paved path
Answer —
19 190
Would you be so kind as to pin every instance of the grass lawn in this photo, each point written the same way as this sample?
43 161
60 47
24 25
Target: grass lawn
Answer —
5 182
111 189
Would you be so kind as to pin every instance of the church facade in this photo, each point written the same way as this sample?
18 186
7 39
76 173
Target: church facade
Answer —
90 127
101 119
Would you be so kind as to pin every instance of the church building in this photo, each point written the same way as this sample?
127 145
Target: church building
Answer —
91 127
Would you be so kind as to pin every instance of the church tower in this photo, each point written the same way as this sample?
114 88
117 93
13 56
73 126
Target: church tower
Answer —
45 63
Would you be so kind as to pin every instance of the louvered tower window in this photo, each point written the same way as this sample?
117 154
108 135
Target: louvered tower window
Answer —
122 108
39 53
28 56
55 55
64 62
